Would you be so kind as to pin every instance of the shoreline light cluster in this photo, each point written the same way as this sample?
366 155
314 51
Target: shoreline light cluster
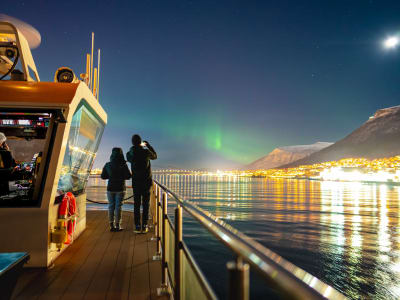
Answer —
348 169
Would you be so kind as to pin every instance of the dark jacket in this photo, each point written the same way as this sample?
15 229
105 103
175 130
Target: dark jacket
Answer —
139 158
7 163
116 172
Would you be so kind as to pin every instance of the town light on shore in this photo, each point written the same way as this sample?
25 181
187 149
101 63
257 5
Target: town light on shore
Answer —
391 42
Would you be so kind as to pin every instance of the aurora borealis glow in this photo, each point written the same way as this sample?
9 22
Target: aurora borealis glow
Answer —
216 84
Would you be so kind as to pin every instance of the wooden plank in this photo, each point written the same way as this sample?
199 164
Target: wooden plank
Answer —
88 263
117 288
140 287
100 265
102 279
100 283
70 268
128 271
45 277
155 272
28 274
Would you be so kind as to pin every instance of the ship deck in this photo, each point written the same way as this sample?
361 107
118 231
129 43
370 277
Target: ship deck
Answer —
99 265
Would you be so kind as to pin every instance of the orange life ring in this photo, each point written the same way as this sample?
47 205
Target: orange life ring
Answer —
67 212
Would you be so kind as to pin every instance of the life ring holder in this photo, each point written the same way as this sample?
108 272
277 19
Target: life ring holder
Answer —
67 215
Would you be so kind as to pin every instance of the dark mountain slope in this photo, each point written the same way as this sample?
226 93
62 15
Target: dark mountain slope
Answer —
378 137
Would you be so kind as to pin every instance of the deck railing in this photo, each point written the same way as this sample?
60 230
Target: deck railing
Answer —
182 276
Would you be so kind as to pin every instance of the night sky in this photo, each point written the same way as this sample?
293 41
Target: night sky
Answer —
217 84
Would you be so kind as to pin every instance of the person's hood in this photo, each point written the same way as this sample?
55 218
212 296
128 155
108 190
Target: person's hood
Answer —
117 157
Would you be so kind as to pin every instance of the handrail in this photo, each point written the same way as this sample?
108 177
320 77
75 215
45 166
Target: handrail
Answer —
288 279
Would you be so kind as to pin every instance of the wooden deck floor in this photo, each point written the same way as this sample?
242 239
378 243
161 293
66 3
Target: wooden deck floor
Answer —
99 265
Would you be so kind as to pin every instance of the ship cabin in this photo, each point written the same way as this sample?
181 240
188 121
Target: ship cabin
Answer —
52 132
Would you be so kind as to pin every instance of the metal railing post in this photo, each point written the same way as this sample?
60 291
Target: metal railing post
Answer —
156 238
239 285
178 250
151 205
159 220
164 272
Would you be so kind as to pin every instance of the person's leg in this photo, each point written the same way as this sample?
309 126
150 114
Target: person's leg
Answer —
145 216
111 208
119 198
137 199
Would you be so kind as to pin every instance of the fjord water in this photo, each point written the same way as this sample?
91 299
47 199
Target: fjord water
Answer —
346 234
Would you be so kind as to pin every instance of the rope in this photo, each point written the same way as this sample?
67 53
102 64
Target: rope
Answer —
104 202
98 202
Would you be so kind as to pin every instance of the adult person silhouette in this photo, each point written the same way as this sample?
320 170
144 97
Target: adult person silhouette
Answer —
139 156
7 165
116 171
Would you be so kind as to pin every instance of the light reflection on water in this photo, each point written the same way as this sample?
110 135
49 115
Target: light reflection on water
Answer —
346 234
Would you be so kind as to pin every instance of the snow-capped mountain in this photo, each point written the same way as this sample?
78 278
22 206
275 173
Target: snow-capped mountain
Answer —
378 137
285 155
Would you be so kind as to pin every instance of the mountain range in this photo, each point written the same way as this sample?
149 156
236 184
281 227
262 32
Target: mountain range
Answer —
285 155
378 137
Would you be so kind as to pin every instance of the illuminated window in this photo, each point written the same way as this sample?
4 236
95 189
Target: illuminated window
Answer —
23 158
83 142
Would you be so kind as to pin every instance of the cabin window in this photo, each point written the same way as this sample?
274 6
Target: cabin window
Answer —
23 156
83 142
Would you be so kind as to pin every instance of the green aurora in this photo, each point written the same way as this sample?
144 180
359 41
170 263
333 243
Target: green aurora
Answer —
213 132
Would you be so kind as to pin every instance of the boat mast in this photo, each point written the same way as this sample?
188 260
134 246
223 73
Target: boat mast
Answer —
91 65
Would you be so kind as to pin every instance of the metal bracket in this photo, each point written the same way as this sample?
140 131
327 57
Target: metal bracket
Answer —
157 257
163 290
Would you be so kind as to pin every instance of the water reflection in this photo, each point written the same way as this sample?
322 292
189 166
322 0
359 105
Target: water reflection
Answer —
347 234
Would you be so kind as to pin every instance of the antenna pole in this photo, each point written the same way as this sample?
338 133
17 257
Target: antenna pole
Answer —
91 64
95 82
87 69
98 75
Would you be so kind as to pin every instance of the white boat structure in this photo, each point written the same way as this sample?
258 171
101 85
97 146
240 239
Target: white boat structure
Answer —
53 130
